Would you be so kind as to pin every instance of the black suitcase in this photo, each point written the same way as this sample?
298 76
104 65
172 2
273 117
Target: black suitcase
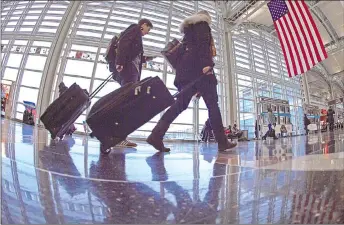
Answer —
272 133
63 112
123 111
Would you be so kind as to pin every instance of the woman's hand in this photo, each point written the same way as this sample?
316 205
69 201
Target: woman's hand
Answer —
206 70
119 68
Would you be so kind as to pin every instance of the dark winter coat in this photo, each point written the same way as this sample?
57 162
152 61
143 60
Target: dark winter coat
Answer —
197 54
330 115
130 46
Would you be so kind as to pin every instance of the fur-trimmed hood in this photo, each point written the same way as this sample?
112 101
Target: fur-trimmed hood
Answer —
196 18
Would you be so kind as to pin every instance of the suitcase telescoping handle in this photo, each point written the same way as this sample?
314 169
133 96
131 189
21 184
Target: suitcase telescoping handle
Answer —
95 92
190 85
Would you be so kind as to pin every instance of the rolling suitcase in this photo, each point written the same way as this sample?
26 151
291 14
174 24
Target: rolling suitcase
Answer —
123 111
63 112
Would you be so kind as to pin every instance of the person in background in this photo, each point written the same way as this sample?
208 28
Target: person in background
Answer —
306 122
239 133
330 117
196 61
129 58
271 122
236 131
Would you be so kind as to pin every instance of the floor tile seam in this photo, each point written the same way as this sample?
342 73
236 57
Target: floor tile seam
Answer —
122 181
275 144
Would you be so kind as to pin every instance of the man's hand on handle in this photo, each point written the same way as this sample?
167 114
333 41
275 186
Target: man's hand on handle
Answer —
207 70
119 68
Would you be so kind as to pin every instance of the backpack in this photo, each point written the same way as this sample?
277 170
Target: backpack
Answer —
110 57
111 51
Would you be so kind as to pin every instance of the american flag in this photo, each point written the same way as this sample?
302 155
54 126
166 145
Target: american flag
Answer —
299 37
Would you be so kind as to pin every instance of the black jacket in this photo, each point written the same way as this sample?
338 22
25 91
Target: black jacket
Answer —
130 46
197 55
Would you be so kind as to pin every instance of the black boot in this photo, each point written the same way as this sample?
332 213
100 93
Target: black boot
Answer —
157 135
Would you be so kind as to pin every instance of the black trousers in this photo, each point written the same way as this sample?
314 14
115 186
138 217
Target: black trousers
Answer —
207 88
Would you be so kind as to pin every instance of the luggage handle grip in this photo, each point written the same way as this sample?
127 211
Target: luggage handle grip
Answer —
95 92
190 85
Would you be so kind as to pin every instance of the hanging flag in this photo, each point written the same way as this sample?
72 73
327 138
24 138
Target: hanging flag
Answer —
299 37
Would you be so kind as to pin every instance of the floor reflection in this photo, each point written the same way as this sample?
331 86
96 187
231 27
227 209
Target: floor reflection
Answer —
68 182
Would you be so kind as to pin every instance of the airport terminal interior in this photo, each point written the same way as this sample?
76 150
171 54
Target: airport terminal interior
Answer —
293 176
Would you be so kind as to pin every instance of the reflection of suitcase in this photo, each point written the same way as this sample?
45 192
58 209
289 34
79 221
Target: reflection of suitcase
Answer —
121 112
63 112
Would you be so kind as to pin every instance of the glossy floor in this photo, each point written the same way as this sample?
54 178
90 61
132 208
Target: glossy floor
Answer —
291 180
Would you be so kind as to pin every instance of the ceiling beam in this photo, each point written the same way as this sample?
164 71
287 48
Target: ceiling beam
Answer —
317 12
242 16
258 26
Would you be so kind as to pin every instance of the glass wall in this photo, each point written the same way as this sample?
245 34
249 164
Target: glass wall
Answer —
260 70
28 30
82 60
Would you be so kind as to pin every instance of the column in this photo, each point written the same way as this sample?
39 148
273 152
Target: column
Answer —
53 59
331 90
230 86
305 88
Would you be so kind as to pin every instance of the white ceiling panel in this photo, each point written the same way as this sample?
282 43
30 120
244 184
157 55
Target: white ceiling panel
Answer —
335 62
334 11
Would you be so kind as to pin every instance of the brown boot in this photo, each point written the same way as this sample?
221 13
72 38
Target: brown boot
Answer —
157 135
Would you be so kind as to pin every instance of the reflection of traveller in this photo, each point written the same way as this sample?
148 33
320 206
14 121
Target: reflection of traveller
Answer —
129 57
306 122
271 121
156 163
127 202
195 62
188 210
330 117
204 212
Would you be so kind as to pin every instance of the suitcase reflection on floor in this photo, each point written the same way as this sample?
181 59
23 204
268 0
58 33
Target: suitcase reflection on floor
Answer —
56 158
135 202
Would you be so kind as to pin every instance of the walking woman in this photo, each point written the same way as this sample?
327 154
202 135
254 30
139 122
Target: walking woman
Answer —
196 61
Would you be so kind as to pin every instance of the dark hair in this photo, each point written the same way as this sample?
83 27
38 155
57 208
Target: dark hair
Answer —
145 21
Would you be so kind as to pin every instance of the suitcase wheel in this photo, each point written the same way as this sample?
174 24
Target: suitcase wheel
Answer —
104 150
53 137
